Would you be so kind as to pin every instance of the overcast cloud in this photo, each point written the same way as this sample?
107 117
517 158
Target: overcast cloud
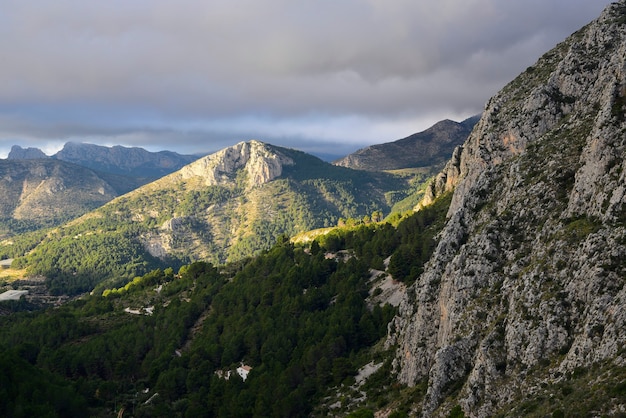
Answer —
322 76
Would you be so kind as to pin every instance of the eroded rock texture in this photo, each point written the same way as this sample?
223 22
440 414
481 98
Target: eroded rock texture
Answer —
525 291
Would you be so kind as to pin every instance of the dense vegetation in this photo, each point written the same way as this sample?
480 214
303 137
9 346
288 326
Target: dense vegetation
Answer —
299 319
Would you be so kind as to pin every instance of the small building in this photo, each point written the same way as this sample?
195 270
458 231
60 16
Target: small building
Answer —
223 374
5 264
243 371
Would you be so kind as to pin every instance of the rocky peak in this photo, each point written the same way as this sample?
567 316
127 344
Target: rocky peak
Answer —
260 162
526 285
19 153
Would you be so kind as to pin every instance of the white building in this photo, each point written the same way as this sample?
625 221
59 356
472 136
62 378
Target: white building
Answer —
243 371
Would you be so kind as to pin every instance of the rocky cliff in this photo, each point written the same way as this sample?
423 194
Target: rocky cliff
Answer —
19 153
431 147
259 162
520 311
45 192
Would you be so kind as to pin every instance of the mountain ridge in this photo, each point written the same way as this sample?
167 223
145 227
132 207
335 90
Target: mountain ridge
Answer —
425 149
119 160
90 175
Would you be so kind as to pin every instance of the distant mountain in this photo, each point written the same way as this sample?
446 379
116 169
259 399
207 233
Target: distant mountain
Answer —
81 169
429 148
19 153
225 206
45 192
119 160
123 160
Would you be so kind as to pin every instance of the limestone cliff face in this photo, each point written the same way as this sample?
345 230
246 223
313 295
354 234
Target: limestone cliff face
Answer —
45 191
526 287
260 163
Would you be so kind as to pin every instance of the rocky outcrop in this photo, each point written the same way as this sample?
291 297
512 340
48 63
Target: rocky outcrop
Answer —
19 153
429 148
45 192
526 286
260 163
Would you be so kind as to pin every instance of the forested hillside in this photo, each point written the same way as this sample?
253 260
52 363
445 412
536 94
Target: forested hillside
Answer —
162 344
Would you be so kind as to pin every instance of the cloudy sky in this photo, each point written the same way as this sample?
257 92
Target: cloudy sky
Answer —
323 76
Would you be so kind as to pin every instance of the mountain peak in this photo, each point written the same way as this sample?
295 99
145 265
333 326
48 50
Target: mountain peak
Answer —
260 162
19 153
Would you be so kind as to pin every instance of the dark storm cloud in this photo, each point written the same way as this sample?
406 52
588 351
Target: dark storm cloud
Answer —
199 75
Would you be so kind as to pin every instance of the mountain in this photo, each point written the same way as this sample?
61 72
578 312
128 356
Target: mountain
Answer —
225 206
520 311
19 153
45 192
117 160
426 149
123 160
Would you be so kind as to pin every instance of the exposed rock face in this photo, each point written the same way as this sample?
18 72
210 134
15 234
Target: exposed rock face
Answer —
19 153
260 162
424 149
526 285
47 191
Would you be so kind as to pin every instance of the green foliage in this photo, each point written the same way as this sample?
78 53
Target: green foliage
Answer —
296 318
456 412
26 391
199 200
416 237
19 245
299 319
75 264
577 229
361 413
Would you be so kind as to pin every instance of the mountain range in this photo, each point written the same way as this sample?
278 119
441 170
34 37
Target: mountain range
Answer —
42 191
502 294
108 172
134 162
223 207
